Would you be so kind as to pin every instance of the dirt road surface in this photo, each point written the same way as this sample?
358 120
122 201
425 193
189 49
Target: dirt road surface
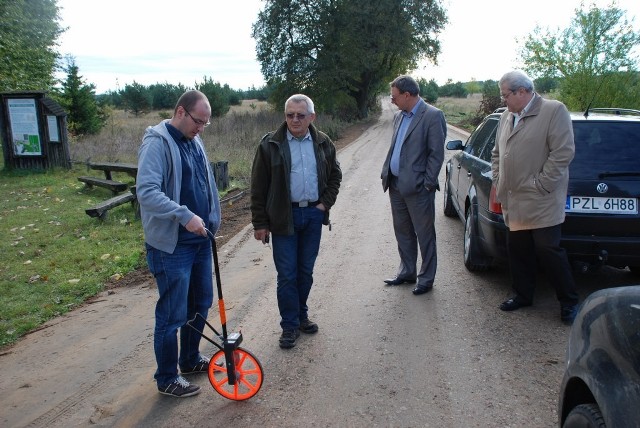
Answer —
382 357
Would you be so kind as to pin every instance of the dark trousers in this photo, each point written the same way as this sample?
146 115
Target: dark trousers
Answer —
413 224
294 257
526 249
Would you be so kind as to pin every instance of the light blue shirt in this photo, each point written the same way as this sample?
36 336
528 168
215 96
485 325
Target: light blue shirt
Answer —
304 173
394 164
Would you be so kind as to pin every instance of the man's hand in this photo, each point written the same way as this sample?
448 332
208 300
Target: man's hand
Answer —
261 235
196 225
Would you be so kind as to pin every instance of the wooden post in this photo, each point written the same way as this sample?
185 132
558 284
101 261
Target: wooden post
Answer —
221 174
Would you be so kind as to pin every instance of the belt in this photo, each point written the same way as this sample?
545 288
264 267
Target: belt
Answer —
303 204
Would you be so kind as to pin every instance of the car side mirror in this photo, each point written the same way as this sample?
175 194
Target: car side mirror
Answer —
455 145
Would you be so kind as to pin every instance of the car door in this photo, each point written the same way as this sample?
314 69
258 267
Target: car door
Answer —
469 163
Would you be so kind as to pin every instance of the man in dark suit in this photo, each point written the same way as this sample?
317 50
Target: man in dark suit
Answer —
410 172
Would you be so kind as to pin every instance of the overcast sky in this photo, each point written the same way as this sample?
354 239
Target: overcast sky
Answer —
116 42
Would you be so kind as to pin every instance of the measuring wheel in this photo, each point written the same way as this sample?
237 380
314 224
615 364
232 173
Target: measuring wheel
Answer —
248 375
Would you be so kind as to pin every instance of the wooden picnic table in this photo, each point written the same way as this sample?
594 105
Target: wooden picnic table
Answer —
100 210
109 167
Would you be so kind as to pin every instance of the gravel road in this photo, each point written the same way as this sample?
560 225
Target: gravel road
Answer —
383 357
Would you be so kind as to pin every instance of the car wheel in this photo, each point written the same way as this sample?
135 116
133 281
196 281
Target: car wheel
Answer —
473 259
584 416
449 210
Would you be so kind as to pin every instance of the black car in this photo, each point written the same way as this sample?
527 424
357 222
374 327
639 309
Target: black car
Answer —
601 383
602 224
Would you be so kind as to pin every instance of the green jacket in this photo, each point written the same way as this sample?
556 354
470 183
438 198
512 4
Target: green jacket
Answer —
270 179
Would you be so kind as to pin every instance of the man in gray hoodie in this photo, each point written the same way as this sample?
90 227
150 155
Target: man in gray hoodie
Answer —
178 201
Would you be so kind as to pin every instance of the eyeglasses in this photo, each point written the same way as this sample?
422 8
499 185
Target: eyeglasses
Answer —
298 116
504 97
394 97
198 122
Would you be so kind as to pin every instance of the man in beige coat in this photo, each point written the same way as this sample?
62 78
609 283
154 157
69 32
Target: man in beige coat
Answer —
530 166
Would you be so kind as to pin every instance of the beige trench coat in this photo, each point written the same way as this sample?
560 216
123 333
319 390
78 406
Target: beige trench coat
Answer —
530 165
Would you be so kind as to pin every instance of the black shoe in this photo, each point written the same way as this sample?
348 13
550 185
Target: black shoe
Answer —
512 304
308 326
568 313
397 281
288 338
201 367
421 290
180 388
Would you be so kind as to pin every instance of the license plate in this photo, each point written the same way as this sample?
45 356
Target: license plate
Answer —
589 204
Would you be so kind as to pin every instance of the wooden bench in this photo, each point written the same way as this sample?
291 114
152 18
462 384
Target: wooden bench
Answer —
134 203
115 186
108 167
101 209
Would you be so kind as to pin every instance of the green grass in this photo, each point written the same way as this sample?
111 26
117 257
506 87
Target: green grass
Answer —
460 111
54 256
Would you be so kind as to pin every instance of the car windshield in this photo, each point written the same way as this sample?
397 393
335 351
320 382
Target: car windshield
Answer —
606 149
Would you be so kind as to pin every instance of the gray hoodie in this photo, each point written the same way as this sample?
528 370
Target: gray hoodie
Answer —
158 189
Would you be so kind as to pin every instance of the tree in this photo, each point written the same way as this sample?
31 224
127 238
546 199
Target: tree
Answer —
593 58
544 85
136 98
490 100
217 95
473 87
165 95
28 35
428 90
351 47
112 98
79 100
450 89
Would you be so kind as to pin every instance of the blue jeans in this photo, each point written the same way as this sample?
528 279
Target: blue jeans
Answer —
185 287
294 257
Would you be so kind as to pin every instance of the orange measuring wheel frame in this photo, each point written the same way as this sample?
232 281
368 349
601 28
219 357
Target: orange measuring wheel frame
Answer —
234 372
248 375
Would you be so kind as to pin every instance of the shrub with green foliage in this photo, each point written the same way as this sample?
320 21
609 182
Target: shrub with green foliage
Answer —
428 90
450 89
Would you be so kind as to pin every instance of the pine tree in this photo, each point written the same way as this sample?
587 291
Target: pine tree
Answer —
78 98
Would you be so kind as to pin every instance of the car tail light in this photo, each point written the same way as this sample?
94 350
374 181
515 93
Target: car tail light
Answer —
494 205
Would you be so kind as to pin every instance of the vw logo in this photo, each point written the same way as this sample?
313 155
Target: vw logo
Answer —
602 188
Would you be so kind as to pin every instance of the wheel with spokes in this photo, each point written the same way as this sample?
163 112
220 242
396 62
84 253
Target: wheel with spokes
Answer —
248 372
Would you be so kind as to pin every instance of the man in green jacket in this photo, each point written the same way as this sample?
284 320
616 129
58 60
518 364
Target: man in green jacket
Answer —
295 180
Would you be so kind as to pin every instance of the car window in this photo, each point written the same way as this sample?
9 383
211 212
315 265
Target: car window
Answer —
480 136
605 147
486 151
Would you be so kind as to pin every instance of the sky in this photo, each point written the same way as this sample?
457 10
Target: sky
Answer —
117 42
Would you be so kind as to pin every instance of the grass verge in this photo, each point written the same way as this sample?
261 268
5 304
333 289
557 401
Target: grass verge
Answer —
54 256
